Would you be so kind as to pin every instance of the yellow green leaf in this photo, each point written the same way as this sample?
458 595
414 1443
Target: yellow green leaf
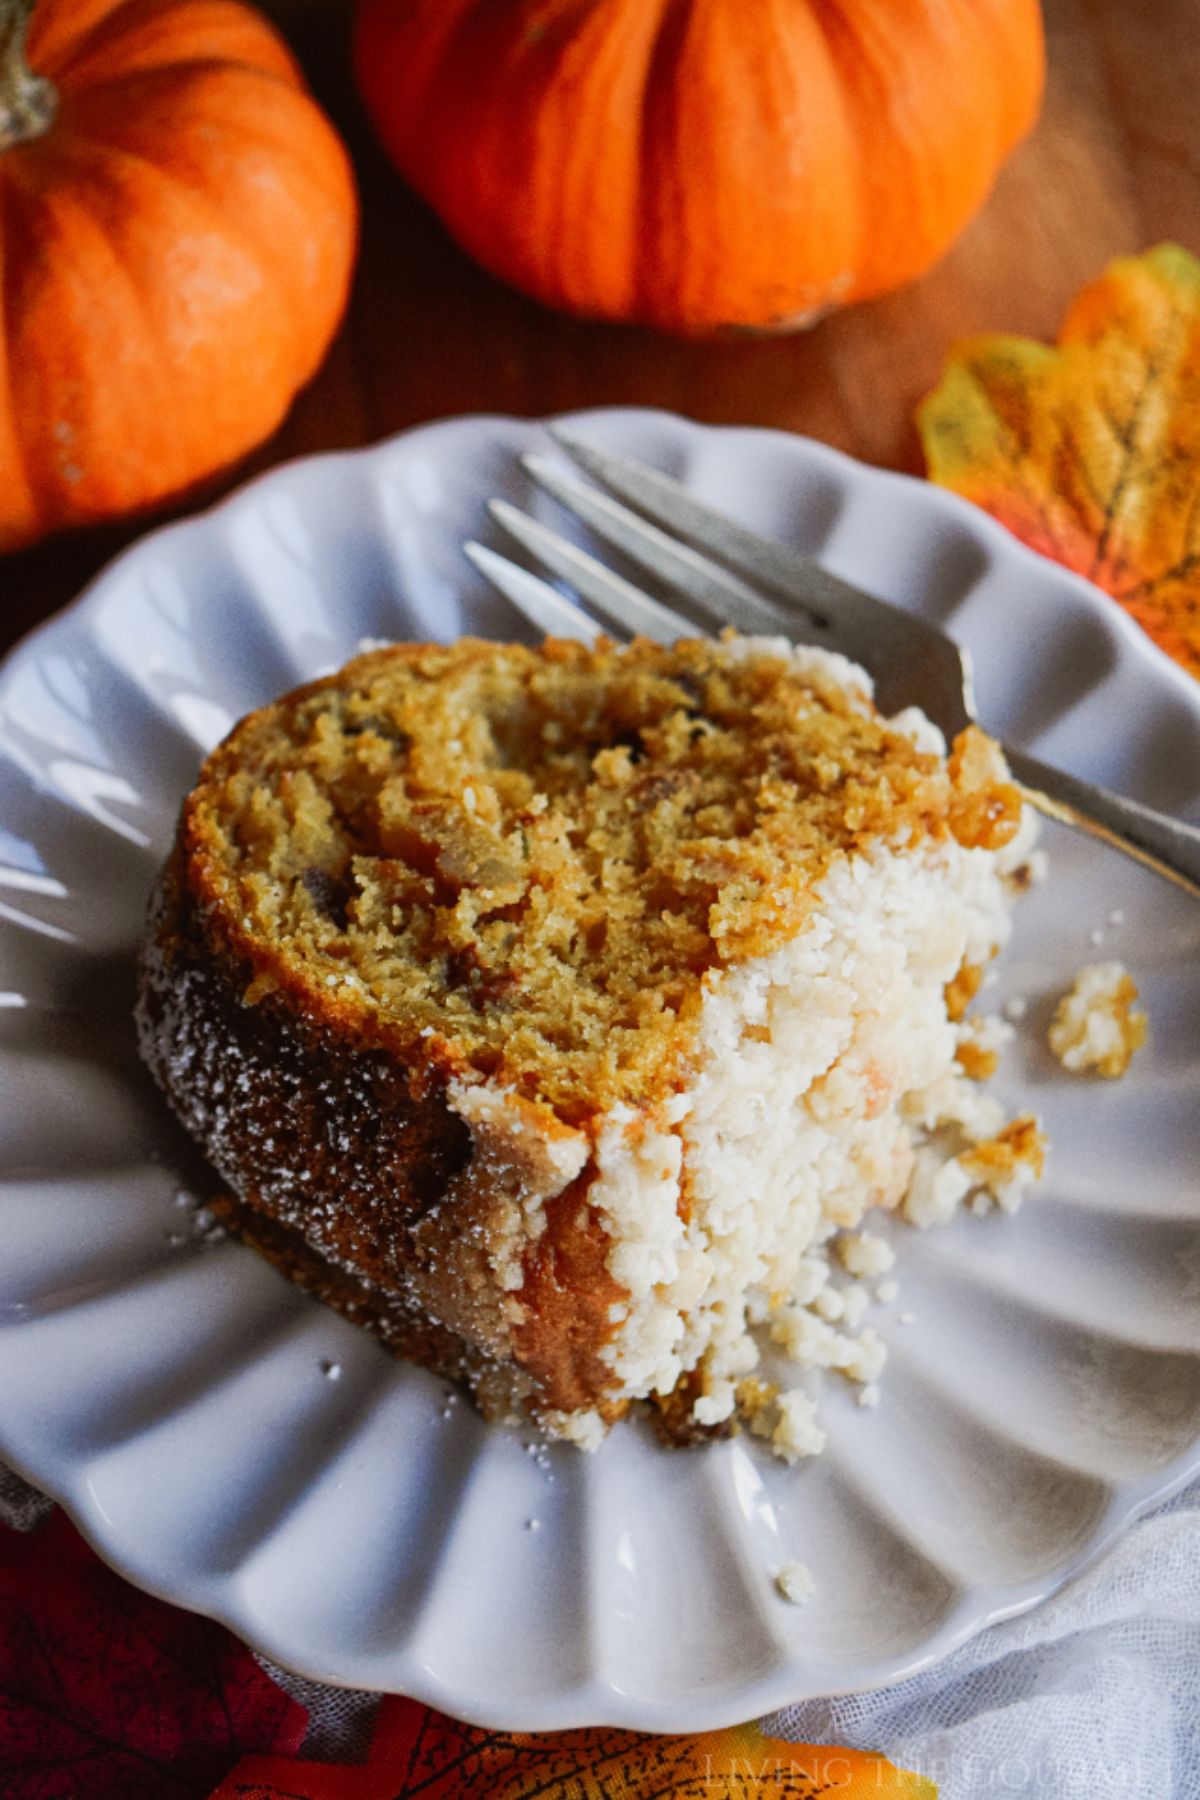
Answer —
1090 451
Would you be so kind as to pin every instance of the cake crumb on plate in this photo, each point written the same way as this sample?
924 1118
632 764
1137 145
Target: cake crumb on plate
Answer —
794 1581
787 1419
862 1253
1007 1164
1095 1027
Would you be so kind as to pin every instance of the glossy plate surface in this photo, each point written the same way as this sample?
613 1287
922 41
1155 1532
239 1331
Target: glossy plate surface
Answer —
172 1392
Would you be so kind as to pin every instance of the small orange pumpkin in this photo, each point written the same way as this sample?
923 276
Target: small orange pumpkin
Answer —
699 164
177 230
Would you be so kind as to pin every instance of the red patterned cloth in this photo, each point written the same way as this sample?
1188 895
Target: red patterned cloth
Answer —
108 1694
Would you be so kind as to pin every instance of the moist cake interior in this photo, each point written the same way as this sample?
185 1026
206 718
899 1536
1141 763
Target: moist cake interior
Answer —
540 855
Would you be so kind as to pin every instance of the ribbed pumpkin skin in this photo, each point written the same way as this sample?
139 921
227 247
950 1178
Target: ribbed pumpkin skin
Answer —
175 253
702 164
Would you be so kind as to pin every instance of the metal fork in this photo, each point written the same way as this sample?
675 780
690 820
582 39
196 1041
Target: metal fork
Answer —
728 575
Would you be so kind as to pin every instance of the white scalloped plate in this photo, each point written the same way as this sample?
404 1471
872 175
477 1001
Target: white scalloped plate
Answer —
171 1394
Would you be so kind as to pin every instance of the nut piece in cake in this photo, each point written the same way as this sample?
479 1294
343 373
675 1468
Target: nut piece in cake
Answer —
556 1013
1096 1027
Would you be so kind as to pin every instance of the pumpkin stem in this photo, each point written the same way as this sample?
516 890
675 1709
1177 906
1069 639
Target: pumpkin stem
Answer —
28 102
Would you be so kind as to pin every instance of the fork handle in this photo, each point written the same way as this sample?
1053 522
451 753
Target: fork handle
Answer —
1166 845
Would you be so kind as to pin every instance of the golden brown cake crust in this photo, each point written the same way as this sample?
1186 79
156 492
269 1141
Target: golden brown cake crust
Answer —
354 1176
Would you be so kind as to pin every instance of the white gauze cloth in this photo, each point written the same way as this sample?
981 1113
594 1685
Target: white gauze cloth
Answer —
1093 1695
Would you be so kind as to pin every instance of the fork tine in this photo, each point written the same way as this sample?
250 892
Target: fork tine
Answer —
722 596
798 580
636 612
887 639
545 608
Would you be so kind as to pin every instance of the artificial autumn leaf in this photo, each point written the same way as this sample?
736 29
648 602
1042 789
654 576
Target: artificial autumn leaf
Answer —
1091 452
110 1694
420 1753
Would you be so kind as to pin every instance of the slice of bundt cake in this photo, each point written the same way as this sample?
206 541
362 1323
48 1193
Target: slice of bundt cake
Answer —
549 1010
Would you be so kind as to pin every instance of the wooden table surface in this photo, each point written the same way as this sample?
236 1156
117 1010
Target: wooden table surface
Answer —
1114 166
